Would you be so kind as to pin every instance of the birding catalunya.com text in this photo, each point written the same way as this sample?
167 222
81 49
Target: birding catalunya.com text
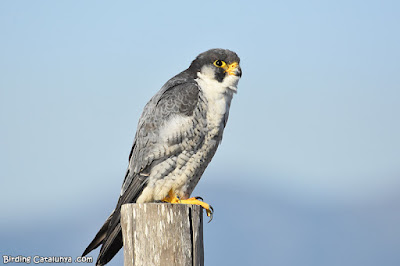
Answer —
44 259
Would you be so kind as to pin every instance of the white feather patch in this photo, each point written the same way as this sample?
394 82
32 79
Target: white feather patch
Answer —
175 125
218 94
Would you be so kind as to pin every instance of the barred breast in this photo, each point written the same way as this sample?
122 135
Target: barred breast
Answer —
197 138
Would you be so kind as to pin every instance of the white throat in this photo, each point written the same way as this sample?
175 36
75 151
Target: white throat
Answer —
217 94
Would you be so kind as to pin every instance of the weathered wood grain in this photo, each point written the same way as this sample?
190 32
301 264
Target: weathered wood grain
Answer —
162 234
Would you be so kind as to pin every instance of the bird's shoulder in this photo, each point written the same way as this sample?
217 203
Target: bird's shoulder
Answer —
178 97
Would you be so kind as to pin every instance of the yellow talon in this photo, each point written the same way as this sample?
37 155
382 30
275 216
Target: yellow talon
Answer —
172 198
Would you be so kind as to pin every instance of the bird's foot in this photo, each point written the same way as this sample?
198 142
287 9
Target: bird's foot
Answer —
172 198
196 201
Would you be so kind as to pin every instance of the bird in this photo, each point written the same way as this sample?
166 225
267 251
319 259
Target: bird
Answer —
177 135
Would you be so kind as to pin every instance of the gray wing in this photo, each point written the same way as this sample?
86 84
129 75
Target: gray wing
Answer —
149 146
175 98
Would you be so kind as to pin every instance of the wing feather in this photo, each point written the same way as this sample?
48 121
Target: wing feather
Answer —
175 98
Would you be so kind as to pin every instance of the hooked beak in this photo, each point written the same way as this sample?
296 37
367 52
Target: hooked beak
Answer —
234 69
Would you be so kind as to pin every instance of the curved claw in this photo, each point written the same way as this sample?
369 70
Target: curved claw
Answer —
174 199
210 213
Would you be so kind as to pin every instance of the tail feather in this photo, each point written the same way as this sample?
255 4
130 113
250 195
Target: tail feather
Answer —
110 234
111 245
100 236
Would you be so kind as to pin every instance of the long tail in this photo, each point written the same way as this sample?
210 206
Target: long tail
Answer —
111 245
99 238
111 241
110 234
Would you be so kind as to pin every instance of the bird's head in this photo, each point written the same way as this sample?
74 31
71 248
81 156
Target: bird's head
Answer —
218 64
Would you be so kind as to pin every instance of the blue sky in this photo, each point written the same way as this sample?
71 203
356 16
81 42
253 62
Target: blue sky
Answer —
314 124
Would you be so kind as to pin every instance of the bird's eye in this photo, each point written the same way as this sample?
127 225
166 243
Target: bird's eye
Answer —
219 63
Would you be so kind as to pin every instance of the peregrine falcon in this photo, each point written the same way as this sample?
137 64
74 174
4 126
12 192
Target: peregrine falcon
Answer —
177 135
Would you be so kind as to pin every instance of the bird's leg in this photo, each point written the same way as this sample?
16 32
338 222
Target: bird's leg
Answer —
172 198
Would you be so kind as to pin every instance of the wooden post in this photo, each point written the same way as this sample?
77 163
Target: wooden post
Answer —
162 234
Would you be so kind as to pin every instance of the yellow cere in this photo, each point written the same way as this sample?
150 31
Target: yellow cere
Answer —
228 68
231 68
